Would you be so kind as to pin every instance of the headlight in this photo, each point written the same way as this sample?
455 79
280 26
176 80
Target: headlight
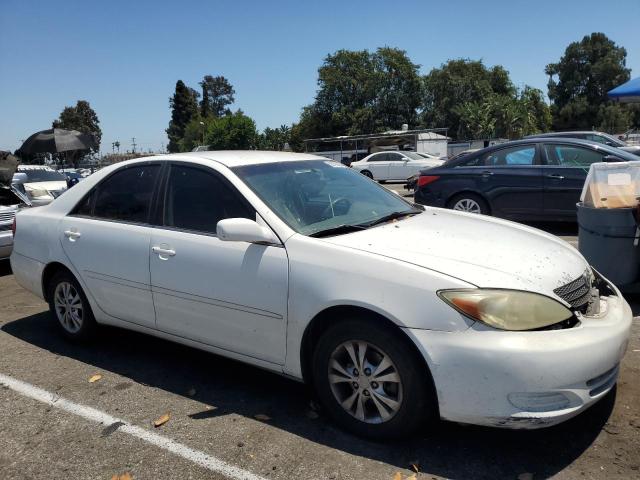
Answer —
38 193
507 309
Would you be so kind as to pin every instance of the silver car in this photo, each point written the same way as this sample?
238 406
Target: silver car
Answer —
11 200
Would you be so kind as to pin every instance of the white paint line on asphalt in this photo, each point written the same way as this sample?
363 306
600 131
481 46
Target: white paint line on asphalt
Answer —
200 458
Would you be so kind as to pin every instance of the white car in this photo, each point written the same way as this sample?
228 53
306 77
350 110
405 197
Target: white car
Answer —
43 184
394 165
394 313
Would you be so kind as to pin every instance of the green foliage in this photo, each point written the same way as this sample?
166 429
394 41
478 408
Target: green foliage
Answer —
184 107
235 131
81 118
274 138
217 95
579 82
362 92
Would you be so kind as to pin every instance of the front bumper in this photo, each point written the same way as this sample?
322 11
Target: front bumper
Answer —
6 244
526 379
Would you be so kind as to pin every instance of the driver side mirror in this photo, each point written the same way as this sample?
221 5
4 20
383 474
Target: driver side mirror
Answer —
611 158
245 230
19 178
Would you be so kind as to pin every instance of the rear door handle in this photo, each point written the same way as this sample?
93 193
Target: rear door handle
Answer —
163 252
487 173
72 235
557 177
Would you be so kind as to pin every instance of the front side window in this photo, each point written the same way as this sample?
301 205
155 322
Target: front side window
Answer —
197 199
572 156
126 194
314 195
522 155
395 157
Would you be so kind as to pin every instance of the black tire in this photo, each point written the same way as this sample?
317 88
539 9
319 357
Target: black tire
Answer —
470 197
367 173
87 325
418 407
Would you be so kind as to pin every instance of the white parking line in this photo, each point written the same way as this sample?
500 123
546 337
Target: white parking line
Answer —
200 458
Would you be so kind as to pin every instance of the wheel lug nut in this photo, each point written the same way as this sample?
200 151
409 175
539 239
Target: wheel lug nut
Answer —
356 372
367 371
356 385
374 384
366 393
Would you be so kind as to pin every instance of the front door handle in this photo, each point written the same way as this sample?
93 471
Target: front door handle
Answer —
555 176
487 173
72 235
163 252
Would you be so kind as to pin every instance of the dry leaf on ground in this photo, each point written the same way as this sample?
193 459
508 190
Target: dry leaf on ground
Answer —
397 476
161 421
262 417
95 378
415 466
124 476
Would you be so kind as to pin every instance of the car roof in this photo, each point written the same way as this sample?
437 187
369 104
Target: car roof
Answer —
560 134
237 158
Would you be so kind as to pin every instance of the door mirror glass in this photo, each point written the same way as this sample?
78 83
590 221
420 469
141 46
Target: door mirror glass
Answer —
244 230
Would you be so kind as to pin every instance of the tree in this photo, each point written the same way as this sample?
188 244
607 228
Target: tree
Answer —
217 95
274 138
456 83
235 131
579 82
81 118
184 107
362 92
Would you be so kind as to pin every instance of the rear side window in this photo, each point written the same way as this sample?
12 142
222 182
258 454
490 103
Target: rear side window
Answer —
521 155
381 157
571 156
197 200
126 195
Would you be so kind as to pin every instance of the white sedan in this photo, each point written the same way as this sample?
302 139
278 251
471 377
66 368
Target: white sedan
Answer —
395 314
394 165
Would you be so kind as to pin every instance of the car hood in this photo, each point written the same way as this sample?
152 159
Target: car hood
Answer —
635 149
480 250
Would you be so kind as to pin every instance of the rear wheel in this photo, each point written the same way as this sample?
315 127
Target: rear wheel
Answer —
70 307
469 202
367 173
371 382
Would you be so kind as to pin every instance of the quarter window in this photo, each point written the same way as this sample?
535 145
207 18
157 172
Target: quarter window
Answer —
126 195
524 155
571 156
197 200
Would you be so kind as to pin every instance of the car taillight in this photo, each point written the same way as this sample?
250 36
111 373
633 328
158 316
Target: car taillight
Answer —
426 179
13 227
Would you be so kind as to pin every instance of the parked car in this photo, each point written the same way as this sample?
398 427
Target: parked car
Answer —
396 315
11 201
393 165
43 184
598 137
532 179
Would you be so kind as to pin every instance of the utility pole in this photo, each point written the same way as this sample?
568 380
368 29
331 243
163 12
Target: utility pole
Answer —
133 145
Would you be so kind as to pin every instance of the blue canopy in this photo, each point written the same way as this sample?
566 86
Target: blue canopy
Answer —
627 92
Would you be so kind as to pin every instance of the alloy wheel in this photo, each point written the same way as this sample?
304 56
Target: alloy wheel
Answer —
467 205
365 381
68 307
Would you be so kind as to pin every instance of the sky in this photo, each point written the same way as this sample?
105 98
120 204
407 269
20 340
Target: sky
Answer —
125 57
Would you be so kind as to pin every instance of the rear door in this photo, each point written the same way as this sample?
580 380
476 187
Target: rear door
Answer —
399 167
512 181
565 170
106 238
378 165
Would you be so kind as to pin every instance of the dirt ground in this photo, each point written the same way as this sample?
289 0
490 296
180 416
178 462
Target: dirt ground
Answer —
213 403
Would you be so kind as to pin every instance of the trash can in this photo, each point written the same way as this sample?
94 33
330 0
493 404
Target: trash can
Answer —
606 238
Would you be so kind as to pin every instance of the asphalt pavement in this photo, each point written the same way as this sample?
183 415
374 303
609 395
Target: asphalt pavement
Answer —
228 420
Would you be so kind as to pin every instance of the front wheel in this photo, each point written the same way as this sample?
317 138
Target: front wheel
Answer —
367 173
371 382
70 307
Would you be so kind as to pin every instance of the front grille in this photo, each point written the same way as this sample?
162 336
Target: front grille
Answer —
576 293
7 216
5 227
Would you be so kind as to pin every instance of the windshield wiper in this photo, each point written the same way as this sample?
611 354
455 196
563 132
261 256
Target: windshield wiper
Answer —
391 216
340 229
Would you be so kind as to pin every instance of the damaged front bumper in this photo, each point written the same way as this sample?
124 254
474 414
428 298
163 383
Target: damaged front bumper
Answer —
529 379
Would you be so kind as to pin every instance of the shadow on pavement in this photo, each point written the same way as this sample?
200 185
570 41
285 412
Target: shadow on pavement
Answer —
450 450
5 268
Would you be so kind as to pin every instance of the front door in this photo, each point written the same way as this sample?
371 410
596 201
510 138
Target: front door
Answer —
378 165
565 171
106 239
231 295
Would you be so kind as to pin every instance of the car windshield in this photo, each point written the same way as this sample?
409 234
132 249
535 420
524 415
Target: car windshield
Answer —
42 175
313 196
